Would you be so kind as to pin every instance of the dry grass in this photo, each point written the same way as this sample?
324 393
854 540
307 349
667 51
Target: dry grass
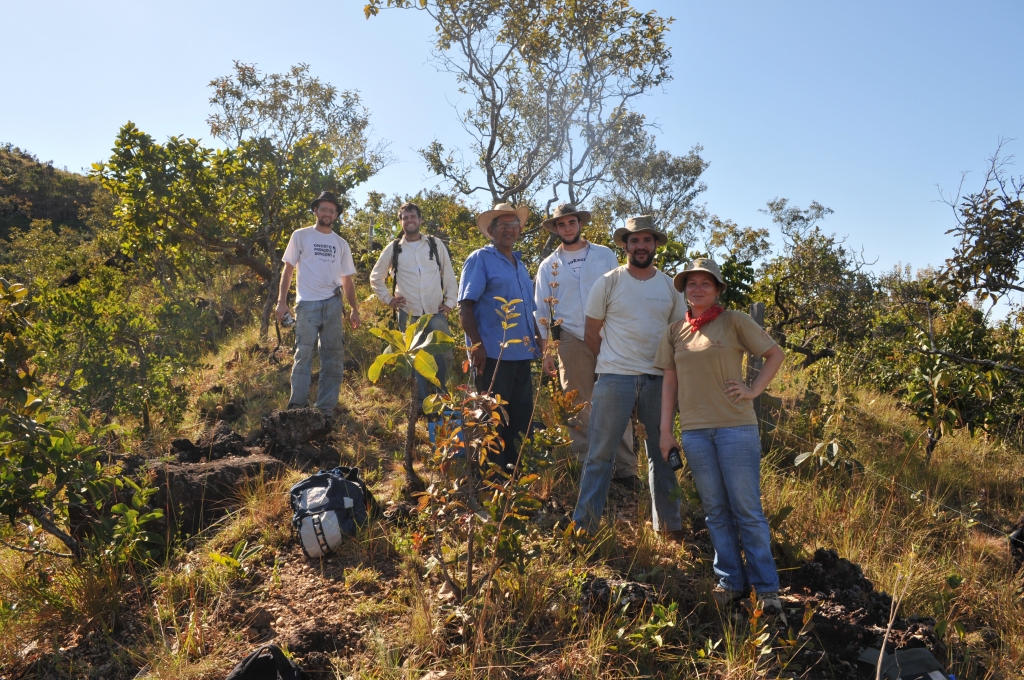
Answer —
932 522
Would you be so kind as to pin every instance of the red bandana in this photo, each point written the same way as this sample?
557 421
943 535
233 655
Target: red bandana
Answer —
704 319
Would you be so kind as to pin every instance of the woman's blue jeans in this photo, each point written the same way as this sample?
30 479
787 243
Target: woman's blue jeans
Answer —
318 328
726 468
613 401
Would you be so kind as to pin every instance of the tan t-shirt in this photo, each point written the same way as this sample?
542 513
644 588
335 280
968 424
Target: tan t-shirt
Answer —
704 360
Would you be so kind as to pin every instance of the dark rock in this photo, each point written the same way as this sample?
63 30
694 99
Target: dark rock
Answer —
319 635
230 412
599 594
194 493
220 442
185 451
843 583
292 428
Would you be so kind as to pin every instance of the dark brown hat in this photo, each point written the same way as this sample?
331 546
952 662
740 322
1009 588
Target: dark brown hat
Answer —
565 210
635 225
326 196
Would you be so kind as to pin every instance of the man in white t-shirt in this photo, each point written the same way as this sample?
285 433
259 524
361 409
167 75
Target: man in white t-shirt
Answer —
627 312
575 266
325 269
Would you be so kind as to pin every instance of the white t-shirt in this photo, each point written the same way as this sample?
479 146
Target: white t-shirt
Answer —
574 260
636 314
320 260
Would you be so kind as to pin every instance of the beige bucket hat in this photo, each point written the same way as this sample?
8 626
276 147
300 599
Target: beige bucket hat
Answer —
483 220
638 224
701 264
565 210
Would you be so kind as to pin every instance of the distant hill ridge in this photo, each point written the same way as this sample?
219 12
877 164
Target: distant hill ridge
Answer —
32 190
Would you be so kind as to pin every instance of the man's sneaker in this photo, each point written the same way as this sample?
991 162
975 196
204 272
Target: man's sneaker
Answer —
770 603
726 598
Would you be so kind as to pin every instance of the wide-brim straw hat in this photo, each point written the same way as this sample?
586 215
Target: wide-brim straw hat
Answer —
565 210
701 264
483 220
635 225
328 196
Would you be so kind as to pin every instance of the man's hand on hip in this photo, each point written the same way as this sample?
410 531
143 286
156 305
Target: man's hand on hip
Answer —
443 308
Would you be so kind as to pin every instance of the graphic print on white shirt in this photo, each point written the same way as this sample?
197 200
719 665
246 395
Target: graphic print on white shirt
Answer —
320 260
574 260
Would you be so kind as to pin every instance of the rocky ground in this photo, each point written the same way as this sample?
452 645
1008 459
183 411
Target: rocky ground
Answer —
338 607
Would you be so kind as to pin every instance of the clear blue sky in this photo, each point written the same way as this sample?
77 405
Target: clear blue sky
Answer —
864 107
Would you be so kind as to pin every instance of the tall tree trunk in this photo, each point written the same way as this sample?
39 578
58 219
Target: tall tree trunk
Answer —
413 483
270 303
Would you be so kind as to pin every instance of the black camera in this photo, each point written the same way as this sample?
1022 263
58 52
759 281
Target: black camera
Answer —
674 459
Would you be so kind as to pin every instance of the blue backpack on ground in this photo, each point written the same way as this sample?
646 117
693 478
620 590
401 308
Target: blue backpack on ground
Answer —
328 506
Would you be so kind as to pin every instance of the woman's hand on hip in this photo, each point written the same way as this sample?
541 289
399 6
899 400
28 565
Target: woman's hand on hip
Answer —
737 391
667 443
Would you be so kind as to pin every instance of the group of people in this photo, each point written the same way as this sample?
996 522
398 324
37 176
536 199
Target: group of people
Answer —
628 339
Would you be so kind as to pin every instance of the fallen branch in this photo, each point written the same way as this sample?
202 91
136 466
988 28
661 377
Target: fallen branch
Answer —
37 551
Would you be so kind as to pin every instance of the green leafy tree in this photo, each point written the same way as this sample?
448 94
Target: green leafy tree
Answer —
652 181
989 253
288 137
43 471
549 86
817 295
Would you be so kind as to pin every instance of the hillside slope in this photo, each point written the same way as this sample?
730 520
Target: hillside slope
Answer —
381 609
31 190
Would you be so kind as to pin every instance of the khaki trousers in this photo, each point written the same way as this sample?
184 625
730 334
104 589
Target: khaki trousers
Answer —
576 372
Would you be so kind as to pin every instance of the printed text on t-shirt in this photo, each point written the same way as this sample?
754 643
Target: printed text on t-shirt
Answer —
324 250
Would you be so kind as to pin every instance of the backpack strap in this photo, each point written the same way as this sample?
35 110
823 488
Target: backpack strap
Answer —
396 249
432 246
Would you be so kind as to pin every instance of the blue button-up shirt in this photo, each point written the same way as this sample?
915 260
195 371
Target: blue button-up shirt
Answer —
488 274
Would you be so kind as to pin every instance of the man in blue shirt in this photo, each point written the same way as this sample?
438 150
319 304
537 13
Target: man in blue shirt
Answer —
492 272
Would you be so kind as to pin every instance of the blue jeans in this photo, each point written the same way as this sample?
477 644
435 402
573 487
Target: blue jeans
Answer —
614 398
438 322
726 468
318 328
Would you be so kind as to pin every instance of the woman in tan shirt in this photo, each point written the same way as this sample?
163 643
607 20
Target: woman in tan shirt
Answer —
702 357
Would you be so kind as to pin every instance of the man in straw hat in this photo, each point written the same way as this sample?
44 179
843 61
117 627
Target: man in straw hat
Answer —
497 271
324 262
627 313
564 280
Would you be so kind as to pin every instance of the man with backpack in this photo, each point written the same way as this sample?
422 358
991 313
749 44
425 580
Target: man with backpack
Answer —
325 270
422 282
